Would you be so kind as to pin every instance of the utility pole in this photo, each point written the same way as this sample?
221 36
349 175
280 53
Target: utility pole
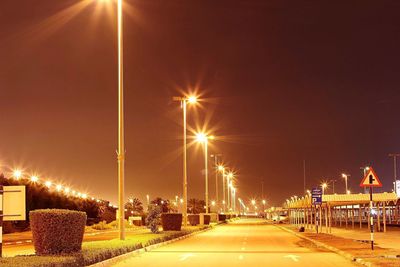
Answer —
394 170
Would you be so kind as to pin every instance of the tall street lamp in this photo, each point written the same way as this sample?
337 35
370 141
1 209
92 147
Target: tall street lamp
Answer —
395 155
346 176
222 170
203 138
324 186
216 156
229 178
234 198
121 141
184 101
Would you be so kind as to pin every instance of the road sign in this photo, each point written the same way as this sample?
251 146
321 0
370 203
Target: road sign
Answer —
371 179
12 207
316 195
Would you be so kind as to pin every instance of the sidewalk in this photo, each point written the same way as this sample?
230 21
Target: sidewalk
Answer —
389 240
350 243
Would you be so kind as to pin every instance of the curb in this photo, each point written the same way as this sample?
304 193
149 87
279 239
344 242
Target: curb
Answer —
333 249
137 252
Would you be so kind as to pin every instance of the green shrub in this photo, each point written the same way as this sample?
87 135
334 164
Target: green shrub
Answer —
194 219
171 221
114 224
153 219
101 226
57 231
207 219
221 217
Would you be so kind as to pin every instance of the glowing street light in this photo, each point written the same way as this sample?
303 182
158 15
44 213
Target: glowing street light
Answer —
253 202
59 187
34 179
184 101
17 174
203 138
348 192
48 184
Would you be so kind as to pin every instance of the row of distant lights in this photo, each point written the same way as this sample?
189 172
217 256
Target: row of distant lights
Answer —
18 174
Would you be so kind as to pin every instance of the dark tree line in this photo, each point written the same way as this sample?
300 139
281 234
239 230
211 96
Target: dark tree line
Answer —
38 196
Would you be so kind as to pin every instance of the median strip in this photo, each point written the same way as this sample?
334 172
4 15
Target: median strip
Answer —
101 253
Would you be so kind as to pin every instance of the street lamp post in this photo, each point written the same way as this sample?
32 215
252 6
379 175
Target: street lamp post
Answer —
324 186
121 141
216 168
394 170
184 101
203 138
234 198
346 176
222 169
229 178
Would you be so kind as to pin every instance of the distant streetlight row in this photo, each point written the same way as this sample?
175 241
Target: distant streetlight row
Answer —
203 138
18 174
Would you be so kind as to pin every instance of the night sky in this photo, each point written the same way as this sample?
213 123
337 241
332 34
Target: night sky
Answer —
281 81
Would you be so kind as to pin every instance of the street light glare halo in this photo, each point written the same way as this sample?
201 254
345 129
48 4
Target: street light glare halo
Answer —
192 99
201 137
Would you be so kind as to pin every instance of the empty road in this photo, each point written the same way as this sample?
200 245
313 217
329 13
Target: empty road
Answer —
247 242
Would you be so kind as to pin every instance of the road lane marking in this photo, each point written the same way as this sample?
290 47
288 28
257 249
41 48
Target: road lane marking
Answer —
186 256
295 258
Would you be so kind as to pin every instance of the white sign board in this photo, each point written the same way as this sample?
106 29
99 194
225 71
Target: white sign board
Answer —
13 203
398 188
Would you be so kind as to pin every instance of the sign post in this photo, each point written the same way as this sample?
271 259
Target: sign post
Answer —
371 180
316 196
12 207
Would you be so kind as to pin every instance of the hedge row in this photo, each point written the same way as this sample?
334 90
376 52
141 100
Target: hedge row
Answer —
171 221
57 231
93 252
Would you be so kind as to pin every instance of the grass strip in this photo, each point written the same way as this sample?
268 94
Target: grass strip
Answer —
97 251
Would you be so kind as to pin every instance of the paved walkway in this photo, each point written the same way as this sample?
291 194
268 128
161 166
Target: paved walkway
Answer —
389 240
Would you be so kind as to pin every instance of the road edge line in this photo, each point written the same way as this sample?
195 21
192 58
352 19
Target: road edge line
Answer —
347 256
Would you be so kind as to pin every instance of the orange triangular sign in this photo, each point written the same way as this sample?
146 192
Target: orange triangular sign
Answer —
371 179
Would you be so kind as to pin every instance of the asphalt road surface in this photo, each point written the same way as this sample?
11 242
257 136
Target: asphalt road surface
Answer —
247 242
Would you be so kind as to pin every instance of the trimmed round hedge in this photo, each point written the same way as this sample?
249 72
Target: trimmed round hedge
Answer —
57 231
207 219
194 219
171 221
221 217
